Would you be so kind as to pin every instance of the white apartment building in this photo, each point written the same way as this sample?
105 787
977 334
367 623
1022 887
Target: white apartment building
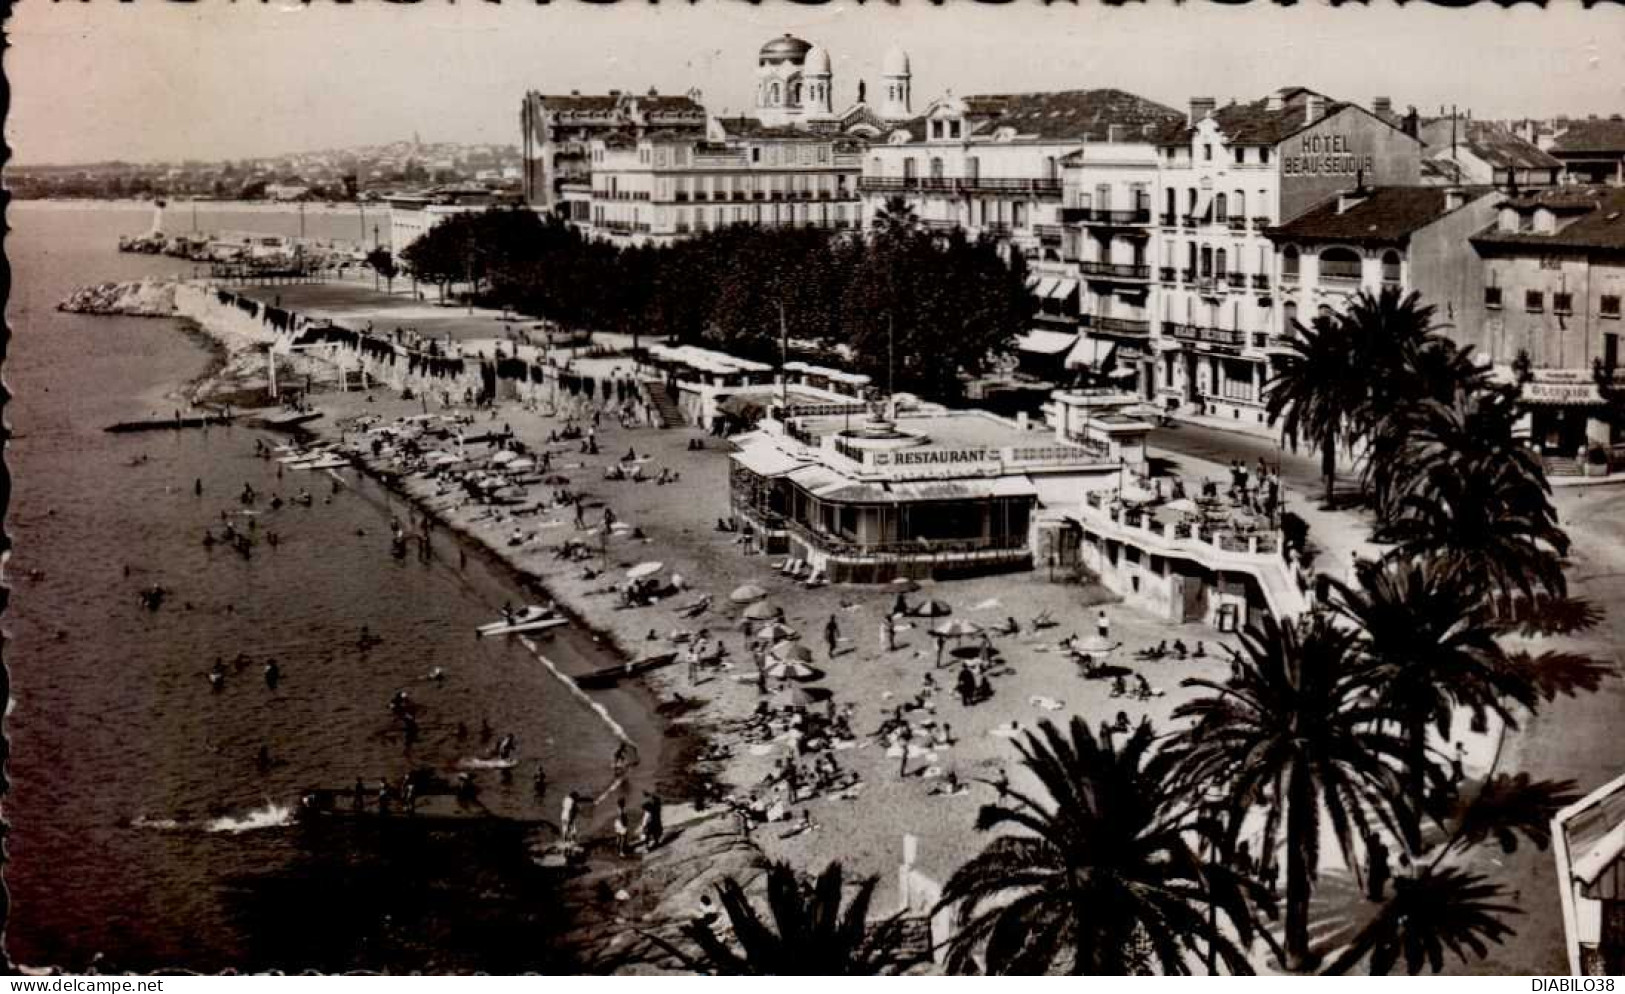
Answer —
1226 176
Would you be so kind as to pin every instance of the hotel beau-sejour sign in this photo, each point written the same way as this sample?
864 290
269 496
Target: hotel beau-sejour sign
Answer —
1327 155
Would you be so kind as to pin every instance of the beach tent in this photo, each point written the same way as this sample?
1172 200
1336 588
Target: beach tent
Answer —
957 629
762 611
747 594
794 652
777 631
932 609
642 570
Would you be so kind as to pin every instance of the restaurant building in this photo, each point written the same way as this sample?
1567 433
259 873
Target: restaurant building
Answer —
916 490
1554 276
1228 174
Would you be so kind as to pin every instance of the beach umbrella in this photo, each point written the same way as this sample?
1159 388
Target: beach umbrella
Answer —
747 594
762 611
505 456
902 585
520 465
807 696
791 670
1094 646
792 652
642 570
932 609
555 480
777 631
957 629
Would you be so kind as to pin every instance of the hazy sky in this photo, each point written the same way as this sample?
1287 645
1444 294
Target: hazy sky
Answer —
154 80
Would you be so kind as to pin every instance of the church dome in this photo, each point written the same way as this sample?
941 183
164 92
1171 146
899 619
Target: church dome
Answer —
817 63
895 63
786 49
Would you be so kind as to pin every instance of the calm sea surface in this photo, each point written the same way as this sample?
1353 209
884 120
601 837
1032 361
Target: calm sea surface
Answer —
142 826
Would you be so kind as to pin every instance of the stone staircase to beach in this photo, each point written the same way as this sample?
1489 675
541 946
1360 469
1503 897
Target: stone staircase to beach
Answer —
1562 466
671 416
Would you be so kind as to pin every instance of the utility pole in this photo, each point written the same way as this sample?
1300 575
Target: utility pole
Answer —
891 358
784 358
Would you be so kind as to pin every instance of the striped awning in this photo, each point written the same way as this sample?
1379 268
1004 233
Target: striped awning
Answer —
1043 341
1046 287
1092 351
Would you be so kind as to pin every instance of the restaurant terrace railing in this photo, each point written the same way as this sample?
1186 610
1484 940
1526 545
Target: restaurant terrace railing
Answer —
1115 270
836 545
1199 333
1117 326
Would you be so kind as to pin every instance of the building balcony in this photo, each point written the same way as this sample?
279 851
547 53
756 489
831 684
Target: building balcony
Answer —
998 229
1187 275
1167 274
938 224
1115 271
885 184
1236 223
1049 232
1105 218
1339 280
1236 281
1010 184
938 184
1279 344
1187 220
681 196
1199 333
1261 222
1261 281
1169 220
1130 327
1289 279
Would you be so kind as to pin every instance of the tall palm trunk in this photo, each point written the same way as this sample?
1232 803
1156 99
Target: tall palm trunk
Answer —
1300 826
1328 463
1416 741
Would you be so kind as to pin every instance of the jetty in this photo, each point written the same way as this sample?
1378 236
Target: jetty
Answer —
172 423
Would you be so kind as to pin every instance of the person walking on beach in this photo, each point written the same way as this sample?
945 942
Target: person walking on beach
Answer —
581 518
653 831
942 642
1103 626
623 831
569 811
904 733
621 760
888 635
832 635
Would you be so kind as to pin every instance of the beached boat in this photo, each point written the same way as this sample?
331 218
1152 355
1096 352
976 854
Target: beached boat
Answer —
326 462
609 676
287 419
529 619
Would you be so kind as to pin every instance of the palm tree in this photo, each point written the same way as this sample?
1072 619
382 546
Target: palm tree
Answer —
1296 729
1432 650
1317 392
1101 877
895 219
805 932
1438 907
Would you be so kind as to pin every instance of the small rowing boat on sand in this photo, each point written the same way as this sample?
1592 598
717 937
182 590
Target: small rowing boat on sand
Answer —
326 462
609 676
287 419
528 619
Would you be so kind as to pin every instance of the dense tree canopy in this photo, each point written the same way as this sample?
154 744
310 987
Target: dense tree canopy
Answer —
916 310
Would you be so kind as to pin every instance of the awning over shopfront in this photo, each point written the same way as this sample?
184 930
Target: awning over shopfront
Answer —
1562 395
1043 341
1092 351
767 461
817 480
1046 287
1064 289
1014 486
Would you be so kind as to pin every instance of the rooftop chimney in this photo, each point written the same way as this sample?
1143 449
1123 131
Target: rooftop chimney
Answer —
1383 108
1201 107
1412 124
1274 101
1350 199
1314 108
1454 198
1114 132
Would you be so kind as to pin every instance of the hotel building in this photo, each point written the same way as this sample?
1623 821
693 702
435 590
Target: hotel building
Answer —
1227 174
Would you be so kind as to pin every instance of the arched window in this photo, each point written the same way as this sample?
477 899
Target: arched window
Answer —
908 168
1340 265
1219 267
773 95
1171 208
973 168
1289 263
1390 266
1220 211
1289 318
1207 262
1238 204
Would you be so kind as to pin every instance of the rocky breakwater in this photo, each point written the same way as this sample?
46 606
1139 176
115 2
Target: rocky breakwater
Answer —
141 298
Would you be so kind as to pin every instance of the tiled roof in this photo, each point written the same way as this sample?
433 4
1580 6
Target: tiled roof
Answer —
1388 214
1591 136
1601 227
1443 169
1063 115
1256 124
1505 150
604 103
750 127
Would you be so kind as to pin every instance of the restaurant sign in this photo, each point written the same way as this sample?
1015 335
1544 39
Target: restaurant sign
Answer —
1561 393
939 462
